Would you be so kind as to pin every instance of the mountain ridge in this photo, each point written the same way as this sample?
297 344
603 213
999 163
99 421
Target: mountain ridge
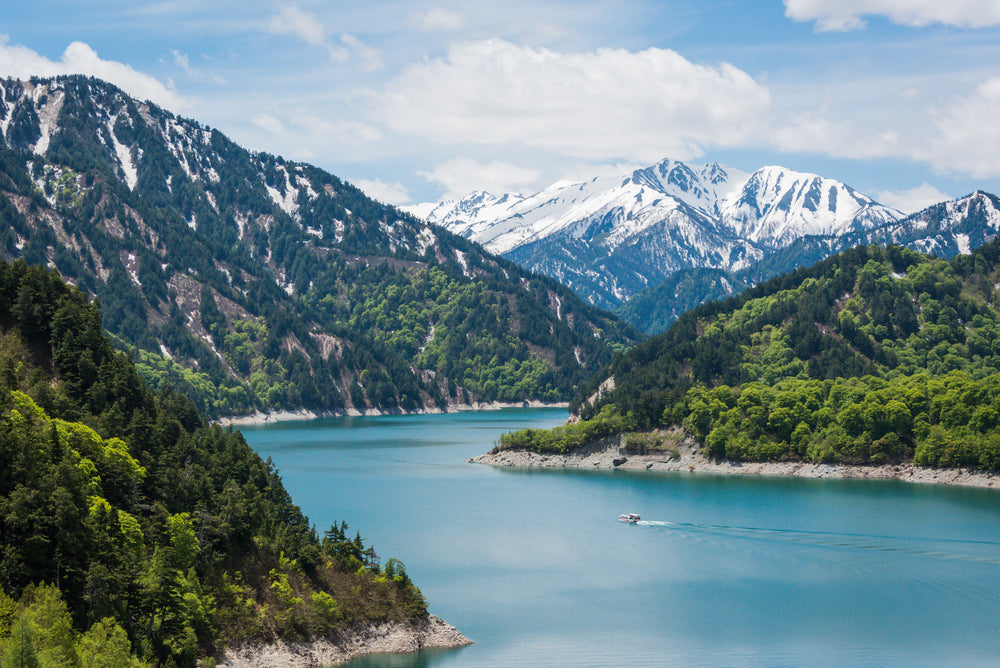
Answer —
946 229
666 217
253 283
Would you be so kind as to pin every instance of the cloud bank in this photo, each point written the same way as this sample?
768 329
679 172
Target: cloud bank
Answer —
608 103
839 15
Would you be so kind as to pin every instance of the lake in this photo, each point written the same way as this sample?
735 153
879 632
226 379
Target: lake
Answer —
723 571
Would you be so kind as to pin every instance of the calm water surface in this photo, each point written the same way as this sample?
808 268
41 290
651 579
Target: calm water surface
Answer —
534 566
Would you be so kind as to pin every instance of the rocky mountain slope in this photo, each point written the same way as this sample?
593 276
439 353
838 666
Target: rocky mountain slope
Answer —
945 230
610 238
252 282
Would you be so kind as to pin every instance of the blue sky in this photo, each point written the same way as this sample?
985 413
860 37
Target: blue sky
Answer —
414 101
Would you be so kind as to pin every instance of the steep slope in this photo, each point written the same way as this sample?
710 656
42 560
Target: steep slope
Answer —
653 310
611 237
251 282
125 519
873 356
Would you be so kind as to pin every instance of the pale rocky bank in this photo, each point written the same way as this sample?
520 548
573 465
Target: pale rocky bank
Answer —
686 456
394 638
261 418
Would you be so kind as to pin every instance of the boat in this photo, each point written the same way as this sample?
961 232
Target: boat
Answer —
628 517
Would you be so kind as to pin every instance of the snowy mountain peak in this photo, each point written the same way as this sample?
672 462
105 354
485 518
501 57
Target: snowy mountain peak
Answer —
777 205
668 216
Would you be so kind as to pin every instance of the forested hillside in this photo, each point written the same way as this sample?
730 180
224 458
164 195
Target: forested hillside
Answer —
131 532
871 356
250 282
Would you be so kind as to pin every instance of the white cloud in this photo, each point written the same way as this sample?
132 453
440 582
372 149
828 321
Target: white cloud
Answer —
78 58
834 15
958 135
815 131
460 176
969 135
610 103
584 171
293 21
304 25
438 19
395 194
184 62
912 200
353 47
269 123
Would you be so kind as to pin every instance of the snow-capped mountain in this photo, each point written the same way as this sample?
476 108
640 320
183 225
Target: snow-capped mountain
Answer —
949 228
611 237
946 229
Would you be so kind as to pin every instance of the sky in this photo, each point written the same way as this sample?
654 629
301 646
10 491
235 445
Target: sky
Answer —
422 101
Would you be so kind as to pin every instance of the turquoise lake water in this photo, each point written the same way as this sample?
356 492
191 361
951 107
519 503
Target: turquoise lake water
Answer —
723 571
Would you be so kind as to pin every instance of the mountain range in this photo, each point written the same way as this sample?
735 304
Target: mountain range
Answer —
252 282
639 235
611 237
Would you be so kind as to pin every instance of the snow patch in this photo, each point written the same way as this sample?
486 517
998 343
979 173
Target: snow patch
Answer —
130 267
425 239
460 256
48 116
286 202
962 240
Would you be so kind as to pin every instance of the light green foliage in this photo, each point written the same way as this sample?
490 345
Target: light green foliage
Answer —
106 645
181 534
51 627
112 454
20 649
8 613
567 437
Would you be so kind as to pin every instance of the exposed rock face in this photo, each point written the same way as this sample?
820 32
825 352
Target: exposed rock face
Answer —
394 638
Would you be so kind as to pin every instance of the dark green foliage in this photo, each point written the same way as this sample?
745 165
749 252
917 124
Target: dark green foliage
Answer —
653 310
151 531
871 356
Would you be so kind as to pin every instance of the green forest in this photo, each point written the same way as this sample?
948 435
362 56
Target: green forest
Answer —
132 533
873 356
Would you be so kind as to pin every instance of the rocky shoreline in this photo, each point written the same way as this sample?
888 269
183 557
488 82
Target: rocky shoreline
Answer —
270 417
686 457
390 638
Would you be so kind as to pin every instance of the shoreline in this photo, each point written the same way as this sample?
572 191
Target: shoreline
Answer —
388 638
611 455
272 417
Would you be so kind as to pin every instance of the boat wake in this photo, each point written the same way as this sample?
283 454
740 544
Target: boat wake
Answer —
982 551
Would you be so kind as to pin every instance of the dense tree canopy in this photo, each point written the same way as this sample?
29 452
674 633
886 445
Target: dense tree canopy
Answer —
130 528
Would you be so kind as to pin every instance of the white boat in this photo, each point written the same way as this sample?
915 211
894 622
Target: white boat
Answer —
628 517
